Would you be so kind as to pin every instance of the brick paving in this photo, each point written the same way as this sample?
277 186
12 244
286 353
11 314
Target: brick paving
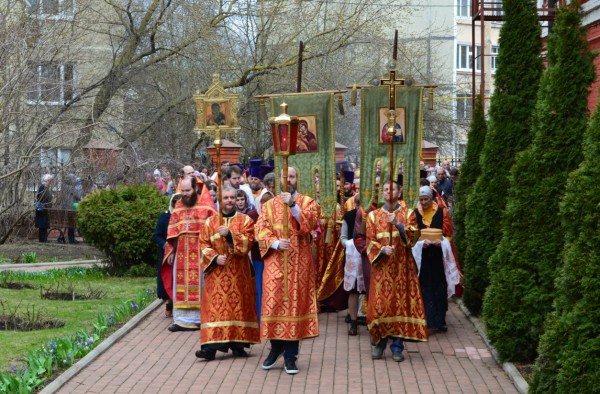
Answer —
150 359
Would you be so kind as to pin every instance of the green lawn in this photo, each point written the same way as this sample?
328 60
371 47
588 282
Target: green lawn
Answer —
76 314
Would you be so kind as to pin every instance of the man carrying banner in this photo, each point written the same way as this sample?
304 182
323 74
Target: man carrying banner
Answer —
229 318
180 270
395 309
289 308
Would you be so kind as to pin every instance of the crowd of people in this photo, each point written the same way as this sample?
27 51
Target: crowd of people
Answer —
260 264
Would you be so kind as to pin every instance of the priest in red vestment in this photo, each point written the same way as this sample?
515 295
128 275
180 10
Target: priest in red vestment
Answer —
229 319
395 309
180 270
289 313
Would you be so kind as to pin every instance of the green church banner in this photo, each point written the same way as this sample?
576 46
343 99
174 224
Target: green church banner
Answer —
375 143
315 151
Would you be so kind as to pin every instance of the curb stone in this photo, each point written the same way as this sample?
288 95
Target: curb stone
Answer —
63 378
59 264
510 369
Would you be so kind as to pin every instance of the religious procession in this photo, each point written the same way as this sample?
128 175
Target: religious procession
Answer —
283 241
329 205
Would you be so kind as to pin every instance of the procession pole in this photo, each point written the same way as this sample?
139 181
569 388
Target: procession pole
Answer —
342 192
218 143
284 188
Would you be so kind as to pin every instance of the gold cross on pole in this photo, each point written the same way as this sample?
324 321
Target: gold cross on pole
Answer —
392 82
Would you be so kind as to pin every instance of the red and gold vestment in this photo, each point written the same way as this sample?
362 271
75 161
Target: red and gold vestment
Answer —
182 238
295 318
395 303
229 293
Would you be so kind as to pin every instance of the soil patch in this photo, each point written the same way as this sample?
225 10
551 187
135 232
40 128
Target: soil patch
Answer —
16 285
24 324
12 253
526 371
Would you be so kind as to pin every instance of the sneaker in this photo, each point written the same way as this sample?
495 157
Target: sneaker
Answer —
376 353
397 357
290 366
271 360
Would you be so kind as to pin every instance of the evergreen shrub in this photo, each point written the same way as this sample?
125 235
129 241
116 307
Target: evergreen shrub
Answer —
120 223
525 264
516 84
569 351
469 171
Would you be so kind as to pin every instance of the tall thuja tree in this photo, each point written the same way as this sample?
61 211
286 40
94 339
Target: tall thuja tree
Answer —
516 84
469 171
569 360
524 266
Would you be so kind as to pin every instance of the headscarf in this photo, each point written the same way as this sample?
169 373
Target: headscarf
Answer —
425 191
174 198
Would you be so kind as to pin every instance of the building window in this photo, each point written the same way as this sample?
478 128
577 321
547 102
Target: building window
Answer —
463 8
461 150
494 59
50 157
464 107
57 9
51 84
464 54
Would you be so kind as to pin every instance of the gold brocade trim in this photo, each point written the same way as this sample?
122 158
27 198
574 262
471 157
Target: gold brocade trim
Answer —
234 323
215 237
189 288
187 306
386 234
409 338
399 319
185 221
263 233
288 318
231 340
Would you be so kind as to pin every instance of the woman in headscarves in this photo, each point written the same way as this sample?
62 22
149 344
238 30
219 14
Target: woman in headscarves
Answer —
438 272
241 202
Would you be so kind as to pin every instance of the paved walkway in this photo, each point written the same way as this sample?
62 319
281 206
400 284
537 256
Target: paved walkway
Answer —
150 359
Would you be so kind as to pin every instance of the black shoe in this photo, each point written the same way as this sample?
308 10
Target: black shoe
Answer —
443 328
362 320
271 359
348 319
208 355
290 366
353 328
239 352
177 327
